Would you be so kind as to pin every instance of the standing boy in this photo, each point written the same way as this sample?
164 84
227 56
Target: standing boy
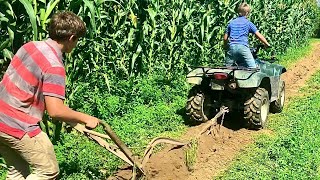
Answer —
35 82
237 33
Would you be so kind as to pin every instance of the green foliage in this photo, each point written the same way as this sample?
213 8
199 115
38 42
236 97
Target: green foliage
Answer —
15 31
317 32
3 169
7 20
292 152
127 38
130 68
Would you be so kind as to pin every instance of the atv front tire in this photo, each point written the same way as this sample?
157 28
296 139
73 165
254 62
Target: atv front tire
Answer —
198 108
256 109
277 105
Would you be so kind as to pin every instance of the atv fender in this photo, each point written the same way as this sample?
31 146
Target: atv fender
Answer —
258 79
250 80
271 69
196 75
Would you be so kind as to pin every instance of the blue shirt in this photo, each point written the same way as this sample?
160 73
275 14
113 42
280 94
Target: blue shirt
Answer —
238 30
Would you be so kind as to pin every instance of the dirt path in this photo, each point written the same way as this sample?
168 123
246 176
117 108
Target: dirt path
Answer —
298 74
216 154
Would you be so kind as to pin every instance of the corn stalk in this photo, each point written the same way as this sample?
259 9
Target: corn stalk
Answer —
130 38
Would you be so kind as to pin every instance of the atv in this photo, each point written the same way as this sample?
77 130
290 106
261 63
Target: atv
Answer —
252 91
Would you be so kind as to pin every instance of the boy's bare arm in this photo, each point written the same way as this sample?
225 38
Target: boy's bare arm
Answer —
262 39
58 110
225 40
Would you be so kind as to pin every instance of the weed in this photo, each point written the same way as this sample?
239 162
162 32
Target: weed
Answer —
191 154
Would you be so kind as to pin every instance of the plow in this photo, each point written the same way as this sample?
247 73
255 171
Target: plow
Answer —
119 149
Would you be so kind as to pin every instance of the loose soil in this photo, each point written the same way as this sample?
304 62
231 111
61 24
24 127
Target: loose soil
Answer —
216 153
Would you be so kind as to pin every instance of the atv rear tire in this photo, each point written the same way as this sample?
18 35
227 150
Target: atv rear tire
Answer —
277 105
198 108
256 109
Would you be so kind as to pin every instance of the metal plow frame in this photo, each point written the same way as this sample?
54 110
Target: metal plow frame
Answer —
120 149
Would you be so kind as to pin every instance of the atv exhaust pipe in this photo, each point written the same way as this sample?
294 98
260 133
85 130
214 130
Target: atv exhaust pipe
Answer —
232 85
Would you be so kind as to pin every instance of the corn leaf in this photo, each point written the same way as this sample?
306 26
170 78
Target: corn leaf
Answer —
32 16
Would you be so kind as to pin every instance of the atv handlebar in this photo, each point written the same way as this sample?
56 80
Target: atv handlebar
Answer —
256 50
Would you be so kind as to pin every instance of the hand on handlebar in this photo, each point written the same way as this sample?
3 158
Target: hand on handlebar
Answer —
266 46
263 46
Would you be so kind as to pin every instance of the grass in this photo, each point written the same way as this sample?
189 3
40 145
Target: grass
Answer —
292 150
191 154
295 53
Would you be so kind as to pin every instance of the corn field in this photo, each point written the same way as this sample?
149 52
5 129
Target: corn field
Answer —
129 42
131 37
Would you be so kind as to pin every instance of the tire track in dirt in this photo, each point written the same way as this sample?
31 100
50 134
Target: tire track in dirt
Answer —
216 153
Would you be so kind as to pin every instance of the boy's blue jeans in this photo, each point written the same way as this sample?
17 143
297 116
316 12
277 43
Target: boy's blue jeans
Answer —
240 55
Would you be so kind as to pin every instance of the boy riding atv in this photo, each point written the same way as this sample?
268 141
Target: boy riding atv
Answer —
237 33
246 84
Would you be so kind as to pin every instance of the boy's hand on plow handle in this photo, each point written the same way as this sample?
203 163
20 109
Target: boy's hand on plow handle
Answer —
92 122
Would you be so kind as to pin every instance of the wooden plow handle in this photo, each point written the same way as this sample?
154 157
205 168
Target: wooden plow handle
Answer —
120 150
126 151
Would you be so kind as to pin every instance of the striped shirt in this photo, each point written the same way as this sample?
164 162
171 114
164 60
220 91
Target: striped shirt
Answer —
238 30
35 71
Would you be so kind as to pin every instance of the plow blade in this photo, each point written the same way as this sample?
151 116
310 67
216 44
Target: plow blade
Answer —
157 141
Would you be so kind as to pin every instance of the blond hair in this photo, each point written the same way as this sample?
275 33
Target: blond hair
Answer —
244 9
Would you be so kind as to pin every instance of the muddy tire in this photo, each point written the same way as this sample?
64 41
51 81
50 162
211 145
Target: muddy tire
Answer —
277 105
256 109
197 108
